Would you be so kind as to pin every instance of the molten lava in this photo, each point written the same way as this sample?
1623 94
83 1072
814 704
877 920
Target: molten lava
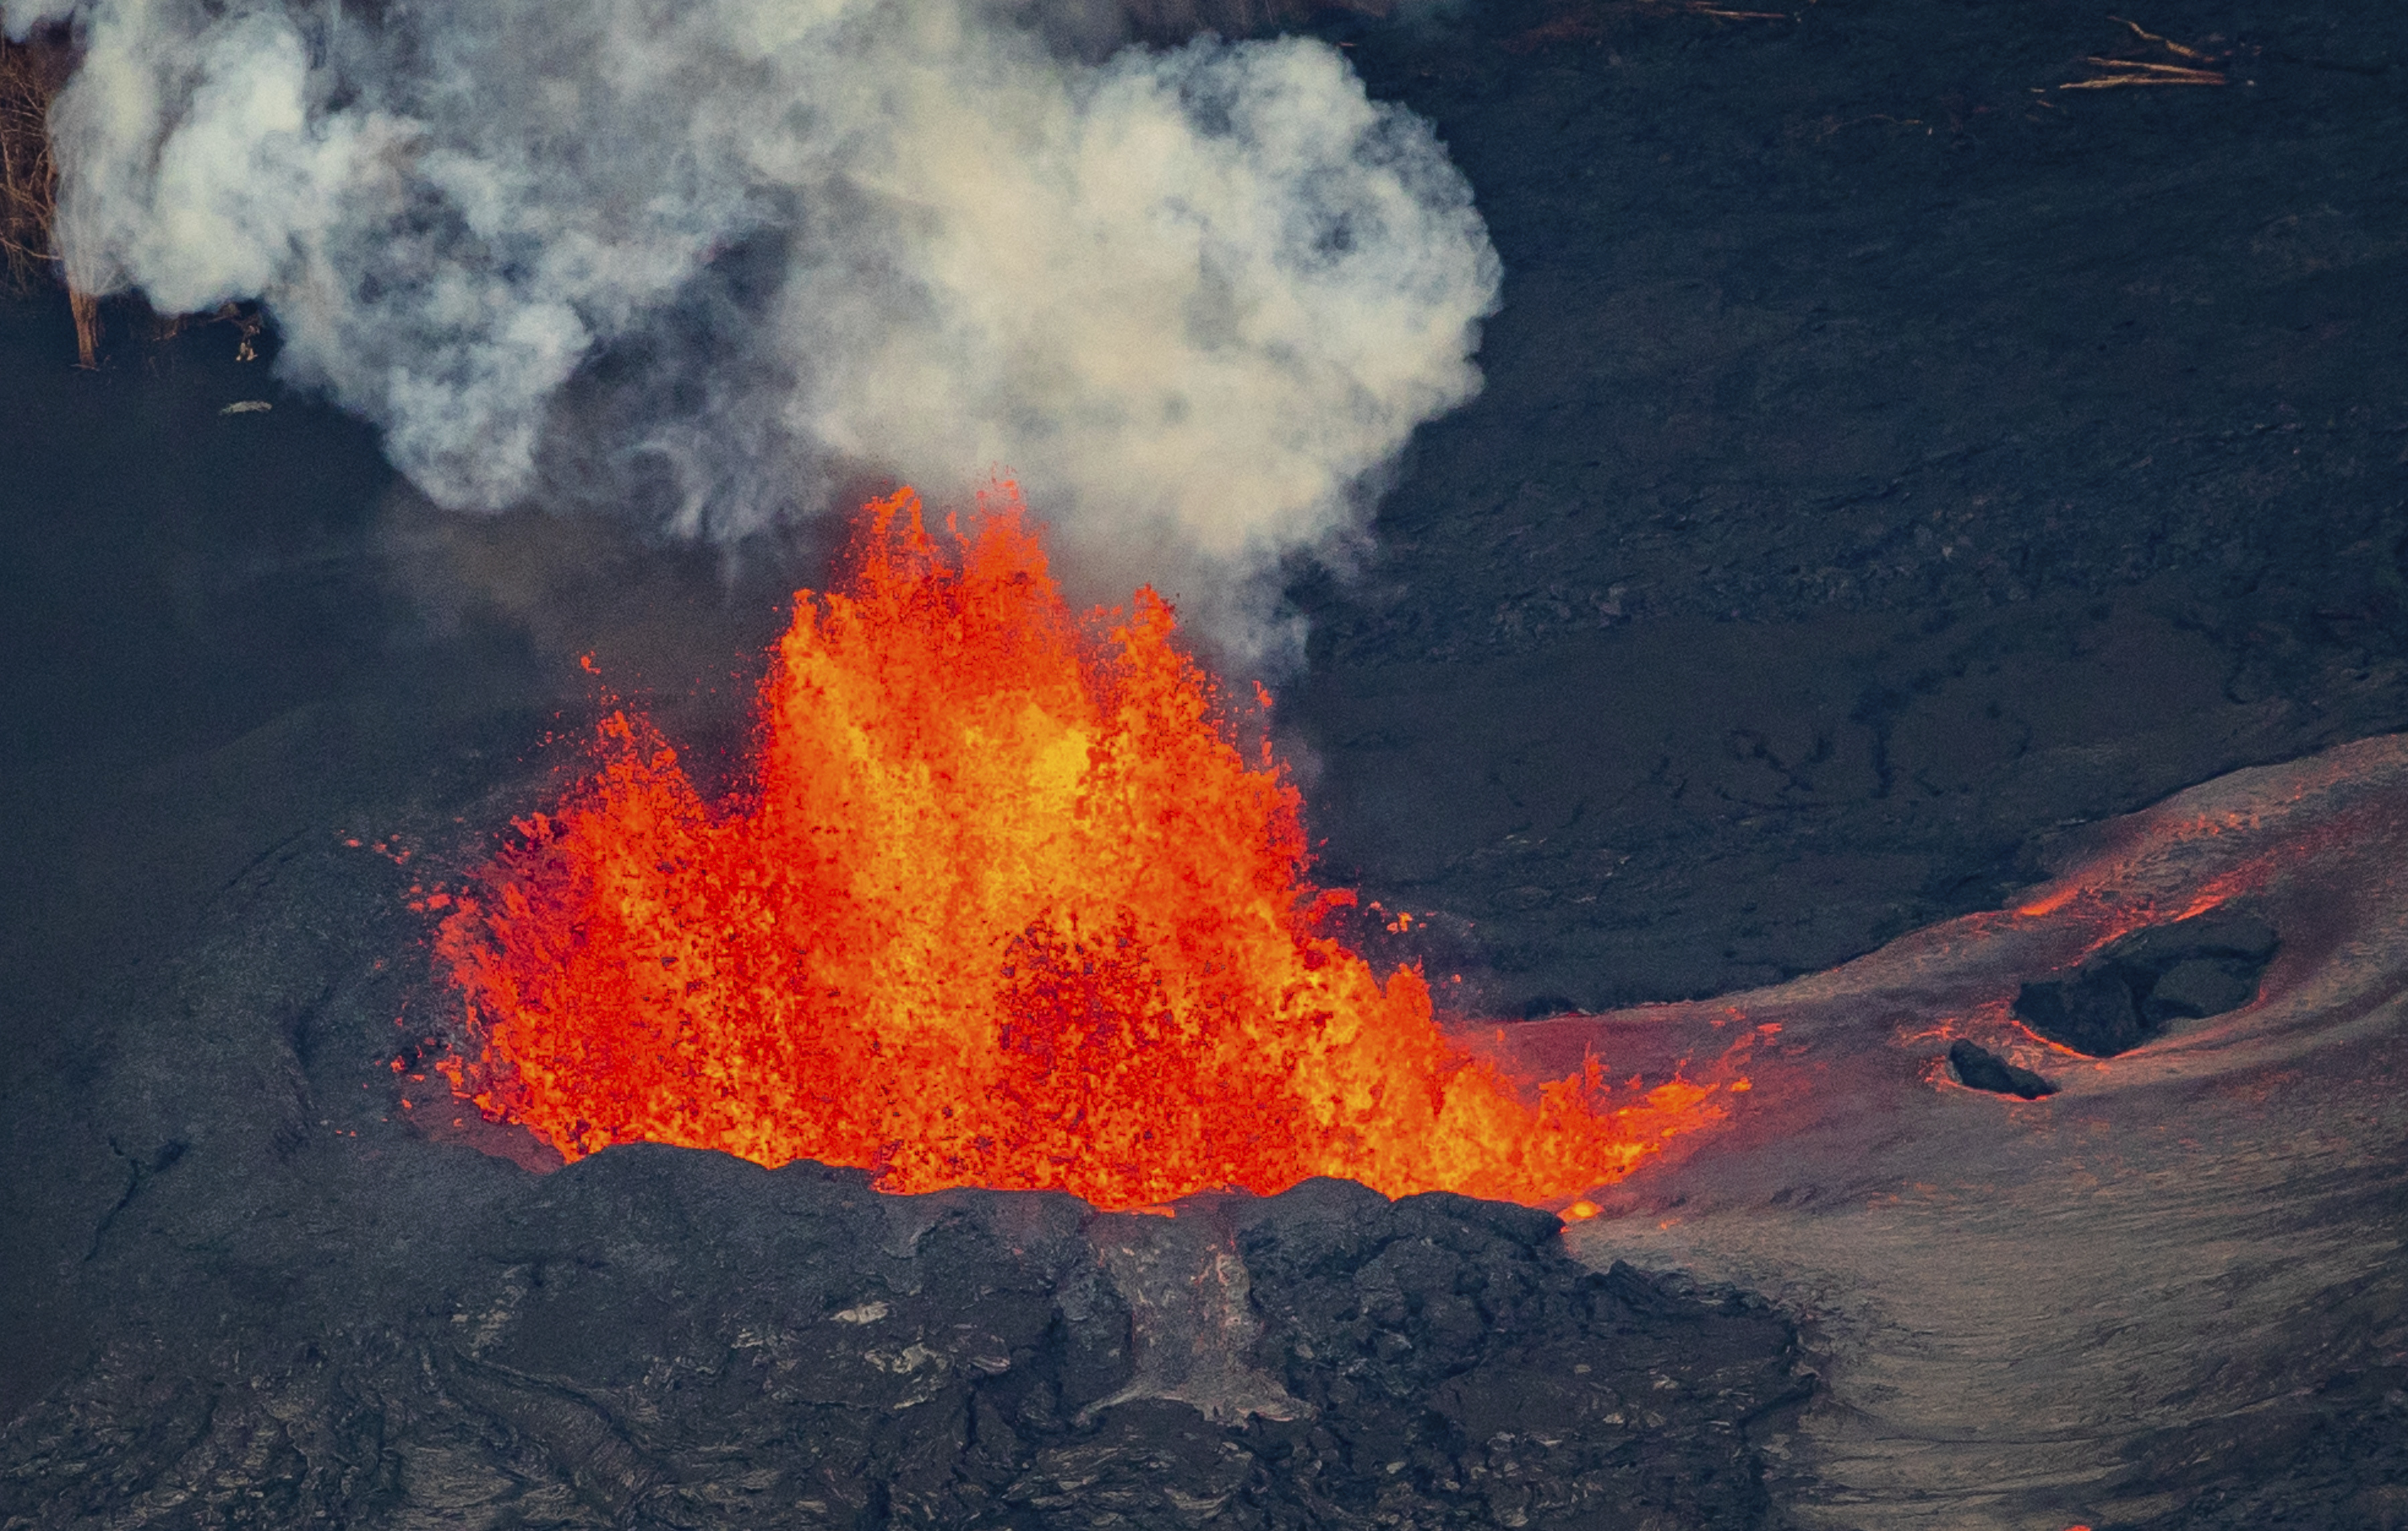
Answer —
1004 905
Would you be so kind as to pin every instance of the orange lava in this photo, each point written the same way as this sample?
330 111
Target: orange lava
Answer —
1004 905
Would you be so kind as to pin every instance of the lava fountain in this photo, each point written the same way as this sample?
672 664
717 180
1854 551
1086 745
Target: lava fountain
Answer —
1003 904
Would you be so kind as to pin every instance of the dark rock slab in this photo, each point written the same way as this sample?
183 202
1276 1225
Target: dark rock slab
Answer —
2134 989
1979 1069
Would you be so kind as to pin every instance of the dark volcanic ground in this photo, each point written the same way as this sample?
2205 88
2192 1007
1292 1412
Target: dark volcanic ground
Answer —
1890 462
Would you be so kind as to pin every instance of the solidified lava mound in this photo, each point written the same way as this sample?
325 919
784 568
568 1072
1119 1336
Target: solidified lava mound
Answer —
662 1338
2135 988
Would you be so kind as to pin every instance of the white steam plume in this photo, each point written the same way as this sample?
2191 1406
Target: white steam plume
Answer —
702 257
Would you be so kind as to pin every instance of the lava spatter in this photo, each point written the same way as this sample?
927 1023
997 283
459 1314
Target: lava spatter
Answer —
1004 905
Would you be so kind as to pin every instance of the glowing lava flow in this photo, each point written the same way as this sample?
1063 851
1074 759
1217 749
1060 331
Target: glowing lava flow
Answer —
1004 907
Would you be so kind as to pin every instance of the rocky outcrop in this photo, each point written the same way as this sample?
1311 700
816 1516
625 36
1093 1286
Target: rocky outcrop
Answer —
1979 1069
2132 990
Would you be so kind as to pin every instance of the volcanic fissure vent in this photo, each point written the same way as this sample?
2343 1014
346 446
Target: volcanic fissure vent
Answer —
1004 904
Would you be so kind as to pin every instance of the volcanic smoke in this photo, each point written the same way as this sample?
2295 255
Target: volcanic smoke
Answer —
1004 905
701 263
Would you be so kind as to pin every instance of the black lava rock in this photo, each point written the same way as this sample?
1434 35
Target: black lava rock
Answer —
2091 1012
2132 990
1979 1069
658 1338
1460 1370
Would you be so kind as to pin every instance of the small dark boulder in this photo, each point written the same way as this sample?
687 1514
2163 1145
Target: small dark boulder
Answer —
2092 1012
2129 992
1979 1069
